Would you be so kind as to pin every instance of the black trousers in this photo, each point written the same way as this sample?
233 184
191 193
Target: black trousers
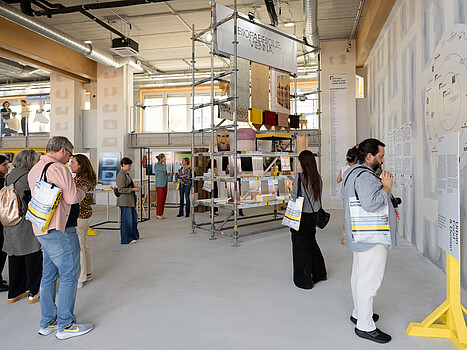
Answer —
2 253
25 273
23 125
308 261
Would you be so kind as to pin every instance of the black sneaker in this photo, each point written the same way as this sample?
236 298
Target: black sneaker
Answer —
187 215
376 336
354 320
179 215
3 287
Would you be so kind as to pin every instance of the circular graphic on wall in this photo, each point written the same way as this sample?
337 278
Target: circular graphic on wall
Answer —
446 89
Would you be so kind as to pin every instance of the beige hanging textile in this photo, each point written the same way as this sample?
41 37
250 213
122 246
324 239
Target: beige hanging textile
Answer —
243 88
259 86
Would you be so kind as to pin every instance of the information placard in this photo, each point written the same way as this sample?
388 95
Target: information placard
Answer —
448 194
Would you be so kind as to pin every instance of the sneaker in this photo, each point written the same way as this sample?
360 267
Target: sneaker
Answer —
3 287
179 215
49 329
133 241
376 336
19 297
33 298
74 330
80 285
88 277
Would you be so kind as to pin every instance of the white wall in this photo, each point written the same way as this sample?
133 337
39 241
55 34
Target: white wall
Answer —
335 60
398 69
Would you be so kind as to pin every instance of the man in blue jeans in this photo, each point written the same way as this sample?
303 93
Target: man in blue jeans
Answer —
60 244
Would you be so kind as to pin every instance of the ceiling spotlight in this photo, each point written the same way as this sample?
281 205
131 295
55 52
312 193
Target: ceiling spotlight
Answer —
251 16
88 41
140 105
349 47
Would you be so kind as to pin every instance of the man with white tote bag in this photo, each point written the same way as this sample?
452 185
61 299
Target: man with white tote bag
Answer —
369 196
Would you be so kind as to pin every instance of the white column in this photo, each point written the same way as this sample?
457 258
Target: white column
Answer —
67 104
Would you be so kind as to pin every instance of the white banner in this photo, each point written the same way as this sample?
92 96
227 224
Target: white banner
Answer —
448 194
339 128
255 43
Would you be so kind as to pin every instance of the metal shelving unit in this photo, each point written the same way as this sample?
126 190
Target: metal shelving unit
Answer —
213 203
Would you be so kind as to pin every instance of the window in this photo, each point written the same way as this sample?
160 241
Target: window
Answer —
309 109
153 114
177 111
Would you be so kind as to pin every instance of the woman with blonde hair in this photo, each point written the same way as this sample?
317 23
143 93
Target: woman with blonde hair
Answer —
21 245
161 184
85 177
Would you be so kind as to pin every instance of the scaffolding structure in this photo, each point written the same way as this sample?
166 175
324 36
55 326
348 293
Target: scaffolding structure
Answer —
235 178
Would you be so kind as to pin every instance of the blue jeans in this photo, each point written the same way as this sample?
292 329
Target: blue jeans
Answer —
128 225
185 197
60 251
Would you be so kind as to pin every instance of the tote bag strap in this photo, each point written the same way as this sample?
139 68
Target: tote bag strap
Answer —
44 171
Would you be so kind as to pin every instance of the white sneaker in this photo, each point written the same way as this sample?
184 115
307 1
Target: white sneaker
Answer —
80 285
32 299
74 330
49 329
89 277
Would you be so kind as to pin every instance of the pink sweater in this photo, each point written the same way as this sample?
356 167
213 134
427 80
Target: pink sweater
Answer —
58 174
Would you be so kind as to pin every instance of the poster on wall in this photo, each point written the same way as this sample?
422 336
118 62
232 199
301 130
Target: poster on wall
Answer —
398 173
280 92
449 194
338 126
407 154
255 43
109 166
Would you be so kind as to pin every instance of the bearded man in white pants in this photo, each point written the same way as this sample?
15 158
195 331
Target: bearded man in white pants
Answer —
369 260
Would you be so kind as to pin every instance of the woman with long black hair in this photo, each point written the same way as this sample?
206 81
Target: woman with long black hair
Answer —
308 262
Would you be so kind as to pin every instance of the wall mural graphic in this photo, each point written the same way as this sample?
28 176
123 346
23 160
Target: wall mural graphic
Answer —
417 74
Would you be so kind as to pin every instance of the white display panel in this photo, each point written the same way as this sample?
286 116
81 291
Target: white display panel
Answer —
448 194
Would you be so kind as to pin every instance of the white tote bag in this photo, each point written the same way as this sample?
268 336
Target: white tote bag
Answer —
293 214
369 227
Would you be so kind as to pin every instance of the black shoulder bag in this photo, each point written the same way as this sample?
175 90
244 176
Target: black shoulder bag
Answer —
321 216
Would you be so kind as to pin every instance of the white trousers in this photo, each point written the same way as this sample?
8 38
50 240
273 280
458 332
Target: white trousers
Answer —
85 251
367 275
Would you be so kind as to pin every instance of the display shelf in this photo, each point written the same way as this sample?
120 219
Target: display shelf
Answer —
202 157
247 154
242 178
207 203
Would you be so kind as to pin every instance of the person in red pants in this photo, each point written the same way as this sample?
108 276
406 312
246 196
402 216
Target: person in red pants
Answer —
161 184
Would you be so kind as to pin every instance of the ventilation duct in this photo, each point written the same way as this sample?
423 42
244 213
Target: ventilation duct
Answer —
11 67
50 32
310 9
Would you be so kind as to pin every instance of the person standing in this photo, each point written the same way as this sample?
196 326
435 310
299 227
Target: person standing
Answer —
22 247
25 113
161 184
3 171
5 113
85 176
369 260
60 245
185 187
127 202
308 262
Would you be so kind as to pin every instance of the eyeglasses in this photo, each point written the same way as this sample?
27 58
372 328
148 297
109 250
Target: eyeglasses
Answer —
69 152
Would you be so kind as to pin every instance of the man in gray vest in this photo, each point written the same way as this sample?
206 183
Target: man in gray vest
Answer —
369 260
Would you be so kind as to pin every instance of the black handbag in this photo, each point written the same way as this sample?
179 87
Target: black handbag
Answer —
321 216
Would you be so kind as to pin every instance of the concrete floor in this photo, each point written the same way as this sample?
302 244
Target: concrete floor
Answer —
177 290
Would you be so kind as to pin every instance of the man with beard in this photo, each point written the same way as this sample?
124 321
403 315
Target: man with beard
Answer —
369 260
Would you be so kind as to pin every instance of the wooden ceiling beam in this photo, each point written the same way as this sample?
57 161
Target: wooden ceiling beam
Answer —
376 14
22 43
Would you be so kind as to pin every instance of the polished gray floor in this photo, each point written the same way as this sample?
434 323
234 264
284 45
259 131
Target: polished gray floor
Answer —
177 290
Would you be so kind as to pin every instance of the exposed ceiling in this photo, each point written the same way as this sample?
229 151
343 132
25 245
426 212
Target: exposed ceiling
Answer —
163 30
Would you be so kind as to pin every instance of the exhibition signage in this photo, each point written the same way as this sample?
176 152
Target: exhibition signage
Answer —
255 43
448 194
